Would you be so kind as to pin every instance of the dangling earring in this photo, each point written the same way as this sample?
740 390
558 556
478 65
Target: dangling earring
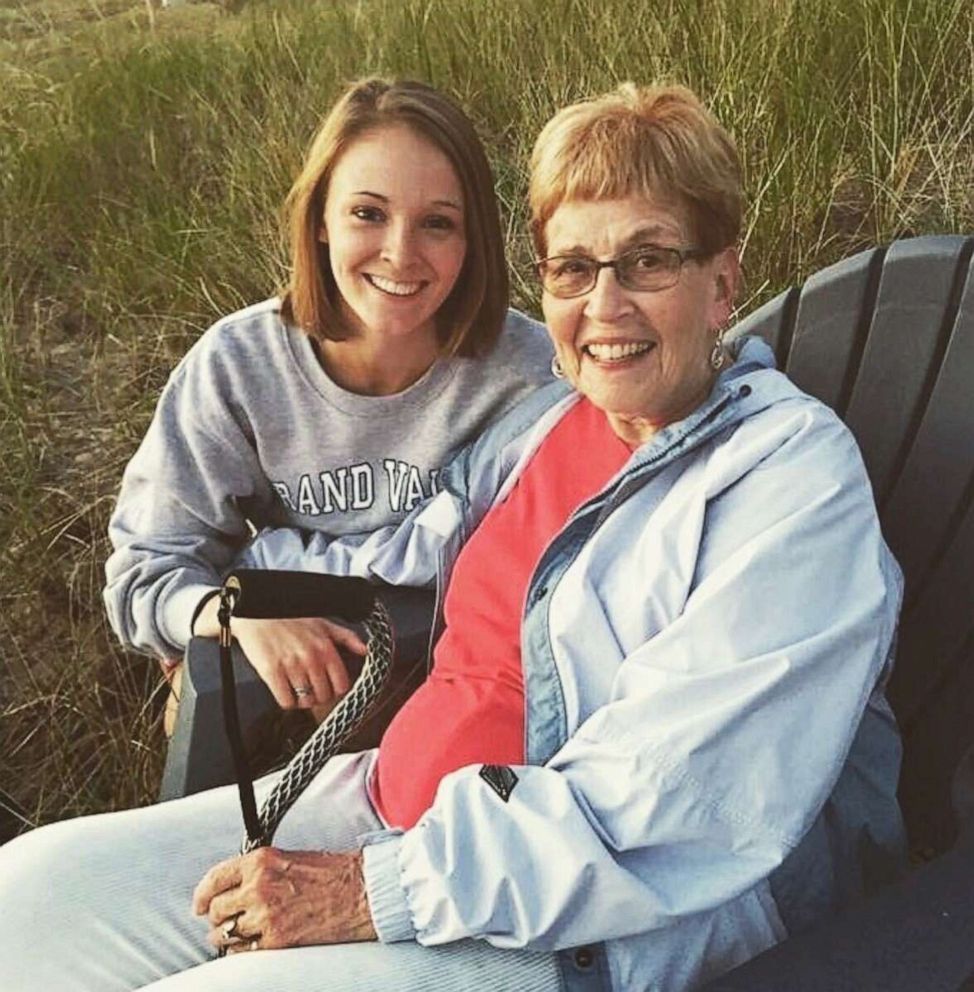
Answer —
556 370
717 352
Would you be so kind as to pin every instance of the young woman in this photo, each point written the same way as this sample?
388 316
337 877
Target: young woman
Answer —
332 408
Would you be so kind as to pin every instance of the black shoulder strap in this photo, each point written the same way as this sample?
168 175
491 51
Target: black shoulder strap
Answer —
231 718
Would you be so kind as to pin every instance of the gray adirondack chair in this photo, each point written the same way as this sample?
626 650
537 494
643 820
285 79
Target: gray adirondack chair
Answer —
886 338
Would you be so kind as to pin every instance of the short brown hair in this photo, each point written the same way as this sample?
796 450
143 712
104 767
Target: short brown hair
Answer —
657 141
470 319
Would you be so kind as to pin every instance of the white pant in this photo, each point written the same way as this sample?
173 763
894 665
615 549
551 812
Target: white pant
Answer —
102 903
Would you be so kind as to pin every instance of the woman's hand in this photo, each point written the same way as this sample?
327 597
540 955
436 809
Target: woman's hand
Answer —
298 659
272 899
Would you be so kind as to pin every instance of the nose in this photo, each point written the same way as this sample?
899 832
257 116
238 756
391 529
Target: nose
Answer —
607 300
398 247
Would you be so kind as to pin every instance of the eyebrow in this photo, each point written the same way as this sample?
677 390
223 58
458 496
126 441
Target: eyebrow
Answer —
641 236
453 205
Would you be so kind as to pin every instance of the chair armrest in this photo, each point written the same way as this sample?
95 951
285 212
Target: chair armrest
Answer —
199 755
916 934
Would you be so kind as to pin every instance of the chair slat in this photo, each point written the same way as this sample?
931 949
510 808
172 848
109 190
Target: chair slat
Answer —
938 738
770 321
926 499
829 327
937 624
903 345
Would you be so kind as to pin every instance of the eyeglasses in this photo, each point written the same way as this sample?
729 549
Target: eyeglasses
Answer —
645 269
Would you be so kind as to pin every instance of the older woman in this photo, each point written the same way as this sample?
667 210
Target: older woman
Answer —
654 739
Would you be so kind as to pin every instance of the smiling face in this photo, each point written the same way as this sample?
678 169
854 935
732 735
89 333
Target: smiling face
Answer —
394 226
642 357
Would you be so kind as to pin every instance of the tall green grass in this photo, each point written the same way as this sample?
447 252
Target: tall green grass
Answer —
142 163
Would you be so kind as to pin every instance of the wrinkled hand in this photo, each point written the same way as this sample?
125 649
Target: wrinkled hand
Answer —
272 899
292 654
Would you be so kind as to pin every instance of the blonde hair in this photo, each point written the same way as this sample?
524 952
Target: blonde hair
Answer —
659 142
470 319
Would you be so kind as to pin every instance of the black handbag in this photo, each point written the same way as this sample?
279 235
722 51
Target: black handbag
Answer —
271 594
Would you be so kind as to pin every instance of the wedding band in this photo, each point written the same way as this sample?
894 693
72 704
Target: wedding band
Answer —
302 690
229 928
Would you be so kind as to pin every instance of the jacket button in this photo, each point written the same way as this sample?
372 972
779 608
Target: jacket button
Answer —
540 593
584 958
744 391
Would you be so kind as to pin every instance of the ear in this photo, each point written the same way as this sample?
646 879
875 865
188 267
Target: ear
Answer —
726 279
323 233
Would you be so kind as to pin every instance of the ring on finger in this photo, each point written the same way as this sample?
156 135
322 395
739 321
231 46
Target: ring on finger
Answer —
302 690
249 944
229 927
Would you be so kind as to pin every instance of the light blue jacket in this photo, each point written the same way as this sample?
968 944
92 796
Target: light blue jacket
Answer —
710 761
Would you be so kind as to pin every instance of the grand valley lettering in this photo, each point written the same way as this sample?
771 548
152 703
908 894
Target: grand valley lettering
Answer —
353 487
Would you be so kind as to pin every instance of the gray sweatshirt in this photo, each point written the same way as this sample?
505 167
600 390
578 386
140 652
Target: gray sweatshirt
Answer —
250 432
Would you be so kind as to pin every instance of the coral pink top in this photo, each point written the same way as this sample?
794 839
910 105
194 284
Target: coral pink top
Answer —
471 708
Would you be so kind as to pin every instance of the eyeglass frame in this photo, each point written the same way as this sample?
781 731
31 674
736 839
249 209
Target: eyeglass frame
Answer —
685 255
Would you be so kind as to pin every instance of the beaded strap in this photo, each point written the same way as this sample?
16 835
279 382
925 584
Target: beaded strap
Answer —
334 731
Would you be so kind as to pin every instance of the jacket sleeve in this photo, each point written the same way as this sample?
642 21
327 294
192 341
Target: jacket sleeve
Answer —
722 736
178 522
404 554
